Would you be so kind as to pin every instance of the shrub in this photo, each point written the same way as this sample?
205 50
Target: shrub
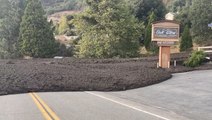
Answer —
196 59
65 51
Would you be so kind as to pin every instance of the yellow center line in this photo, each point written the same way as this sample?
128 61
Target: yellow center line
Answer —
47 112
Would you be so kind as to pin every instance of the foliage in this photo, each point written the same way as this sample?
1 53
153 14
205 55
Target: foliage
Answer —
107 30
3 7
181 9
197 15
9 25
147 36
149 45
196 59
184 18
64 51
200 16
63 25
178 5
36 34
143 9
186 40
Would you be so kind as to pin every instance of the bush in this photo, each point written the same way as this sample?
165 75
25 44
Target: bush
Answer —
196 59
64 51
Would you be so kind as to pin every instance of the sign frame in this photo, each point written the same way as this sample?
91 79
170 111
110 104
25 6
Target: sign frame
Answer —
165 24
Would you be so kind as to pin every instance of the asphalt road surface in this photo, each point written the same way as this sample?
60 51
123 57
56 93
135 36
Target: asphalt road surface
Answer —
187 96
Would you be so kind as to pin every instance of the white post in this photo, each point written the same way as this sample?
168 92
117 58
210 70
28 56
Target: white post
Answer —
168 64
175 63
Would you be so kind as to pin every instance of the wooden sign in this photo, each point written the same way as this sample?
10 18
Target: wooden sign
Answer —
165 30
166 43
165 33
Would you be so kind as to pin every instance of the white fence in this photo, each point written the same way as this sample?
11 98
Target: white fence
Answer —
207 49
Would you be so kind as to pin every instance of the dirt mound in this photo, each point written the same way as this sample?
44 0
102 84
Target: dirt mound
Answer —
69 74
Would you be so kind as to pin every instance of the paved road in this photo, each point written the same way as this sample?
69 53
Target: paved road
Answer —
187 96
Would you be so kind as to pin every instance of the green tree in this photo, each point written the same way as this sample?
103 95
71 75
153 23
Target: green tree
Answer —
200 15
36 35
184 18
186 40
178 5
143 8
63 25
148 34
9 25
181 8
108 29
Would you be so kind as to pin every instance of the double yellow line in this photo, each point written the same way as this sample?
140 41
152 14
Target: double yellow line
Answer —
47 113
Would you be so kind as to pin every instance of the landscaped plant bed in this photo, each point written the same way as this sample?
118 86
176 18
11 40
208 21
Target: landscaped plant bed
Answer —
180 68
207 65
71 74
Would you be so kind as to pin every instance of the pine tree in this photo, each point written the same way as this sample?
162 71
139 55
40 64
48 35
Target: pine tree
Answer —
108 29
148 34
186 40
36 35
9 25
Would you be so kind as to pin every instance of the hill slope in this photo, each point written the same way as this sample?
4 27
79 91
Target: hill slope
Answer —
52 6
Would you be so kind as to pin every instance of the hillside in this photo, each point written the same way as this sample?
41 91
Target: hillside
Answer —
55 17
53 6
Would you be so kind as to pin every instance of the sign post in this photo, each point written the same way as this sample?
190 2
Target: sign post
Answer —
165 33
